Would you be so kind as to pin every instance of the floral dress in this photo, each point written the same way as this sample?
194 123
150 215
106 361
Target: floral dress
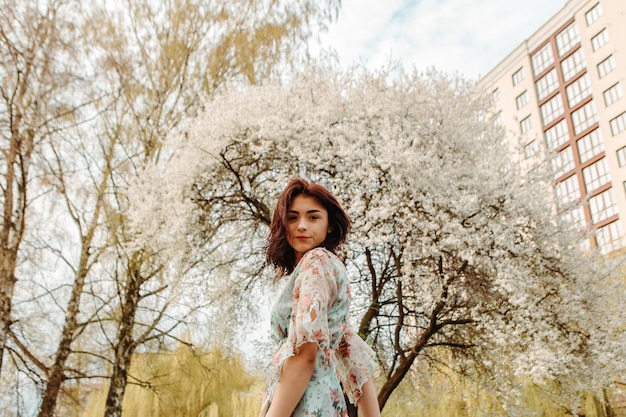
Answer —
313 307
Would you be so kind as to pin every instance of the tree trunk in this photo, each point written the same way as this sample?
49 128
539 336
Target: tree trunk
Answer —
7 283
13 221
394 380
56 376
125 343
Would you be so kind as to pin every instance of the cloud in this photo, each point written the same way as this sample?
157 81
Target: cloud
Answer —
468 37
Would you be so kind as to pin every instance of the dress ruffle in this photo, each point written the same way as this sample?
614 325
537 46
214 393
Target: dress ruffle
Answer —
355 362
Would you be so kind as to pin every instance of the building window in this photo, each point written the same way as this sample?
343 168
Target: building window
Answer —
563 162
575 216
526 124
551 109
602 206
557 135
518 76
573 64
618 124
593 14
578 90
590 146
613 94
495 96
600 40
596 175
584 117
497 119
621 156
606 66
568 191
609 237
522 99
547 84
567 39
531 149
542 59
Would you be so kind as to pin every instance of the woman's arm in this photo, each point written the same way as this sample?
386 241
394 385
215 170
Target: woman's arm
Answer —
368 403
294 378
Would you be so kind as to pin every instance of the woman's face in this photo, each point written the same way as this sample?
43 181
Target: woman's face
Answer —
307 224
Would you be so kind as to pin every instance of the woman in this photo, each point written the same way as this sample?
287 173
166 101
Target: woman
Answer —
318 354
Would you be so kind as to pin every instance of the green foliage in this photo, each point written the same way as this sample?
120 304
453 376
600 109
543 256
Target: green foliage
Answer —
185 384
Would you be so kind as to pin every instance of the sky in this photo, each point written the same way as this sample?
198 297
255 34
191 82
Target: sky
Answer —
468 37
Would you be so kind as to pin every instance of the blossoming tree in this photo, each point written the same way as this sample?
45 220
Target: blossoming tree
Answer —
457 257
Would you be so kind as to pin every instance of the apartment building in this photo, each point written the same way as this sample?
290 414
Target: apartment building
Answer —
560 95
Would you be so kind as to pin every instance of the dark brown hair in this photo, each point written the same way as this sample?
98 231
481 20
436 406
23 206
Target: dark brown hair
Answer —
278 252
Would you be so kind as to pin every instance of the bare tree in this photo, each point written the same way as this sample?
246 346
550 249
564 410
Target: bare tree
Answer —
89 122
88 222
37 79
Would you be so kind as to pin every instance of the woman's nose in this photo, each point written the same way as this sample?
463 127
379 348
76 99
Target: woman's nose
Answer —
302 225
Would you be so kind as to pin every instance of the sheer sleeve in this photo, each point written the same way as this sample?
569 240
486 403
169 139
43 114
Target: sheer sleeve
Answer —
313 292
355 362
313 309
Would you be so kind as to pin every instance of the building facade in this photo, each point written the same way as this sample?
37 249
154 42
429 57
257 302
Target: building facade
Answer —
560 95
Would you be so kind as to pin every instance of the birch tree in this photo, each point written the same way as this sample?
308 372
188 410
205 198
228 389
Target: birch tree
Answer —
36 45
143 67
458 257
49 98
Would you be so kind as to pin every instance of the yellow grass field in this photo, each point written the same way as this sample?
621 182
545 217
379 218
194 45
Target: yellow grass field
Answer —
212 384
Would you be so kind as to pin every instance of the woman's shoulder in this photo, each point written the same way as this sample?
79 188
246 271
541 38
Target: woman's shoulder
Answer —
320 254
320 262
321 258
